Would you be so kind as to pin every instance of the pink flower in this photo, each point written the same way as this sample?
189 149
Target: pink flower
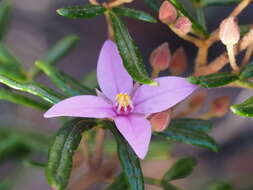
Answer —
125 103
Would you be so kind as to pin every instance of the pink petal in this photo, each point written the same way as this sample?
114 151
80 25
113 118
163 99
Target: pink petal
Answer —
81 106
153 99
137 131
111 74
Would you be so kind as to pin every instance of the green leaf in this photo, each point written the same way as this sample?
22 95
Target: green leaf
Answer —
9 65
5 184
219 2
58 51
189 136
195 25
169 186
90 80
181 169
247 71
62 150
213 80
244 109
129 162
201 17
17 98
86 11
5 13
118 183
221 186
135 14
33 88
129 52
34 164
66 84
192 124
153 4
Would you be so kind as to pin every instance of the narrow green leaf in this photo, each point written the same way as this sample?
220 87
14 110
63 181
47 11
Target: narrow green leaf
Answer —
244 109
153 4
5 184
181 169
129 162
221 186
195 25
9 65
5 13
58 51
17 98
247 71
219 2
33 88
192 124
129 52
189 136
118 183
86 11
135 14
90 80
61 81
213 80
169 186
201 17
10 146
62 150
34 164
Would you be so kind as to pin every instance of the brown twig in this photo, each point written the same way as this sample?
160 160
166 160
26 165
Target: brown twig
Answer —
222 60
99 148
86 152
247 56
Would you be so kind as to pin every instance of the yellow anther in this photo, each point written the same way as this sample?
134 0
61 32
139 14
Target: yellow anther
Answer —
123 100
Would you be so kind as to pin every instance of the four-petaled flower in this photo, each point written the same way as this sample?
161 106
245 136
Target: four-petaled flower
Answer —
122 101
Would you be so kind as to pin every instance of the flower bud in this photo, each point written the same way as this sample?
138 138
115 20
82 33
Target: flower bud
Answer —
229 31
160 58
183 24
167 13
178 62
197 101
160 121
220 106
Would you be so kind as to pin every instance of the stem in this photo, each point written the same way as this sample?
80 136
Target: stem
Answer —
99 149
109 27
231 56
244 84
202 55
201 16
155 73
86 152
94 2
247 56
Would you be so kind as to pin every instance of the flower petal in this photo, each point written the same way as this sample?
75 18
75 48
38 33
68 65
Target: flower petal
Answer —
137 131
153 99
111 74
81 106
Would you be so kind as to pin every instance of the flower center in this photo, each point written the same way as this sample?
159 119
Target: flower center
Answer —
123 103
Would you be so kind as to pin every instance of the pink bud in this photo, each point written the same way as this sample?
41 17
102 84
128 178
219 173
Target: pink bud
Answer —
178 62
183 24
160 121
160 57
220 106
197 101
167 13
229 31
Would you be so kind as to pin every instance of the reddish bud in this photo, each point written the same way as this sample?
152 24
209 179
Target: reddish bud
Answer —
160 121
167 13
183 24
229 31
160 57
178 62
197 101
220 106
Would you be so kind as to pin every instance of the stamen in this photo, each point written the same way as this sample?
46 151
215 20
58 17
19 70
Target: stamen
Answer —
124 103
